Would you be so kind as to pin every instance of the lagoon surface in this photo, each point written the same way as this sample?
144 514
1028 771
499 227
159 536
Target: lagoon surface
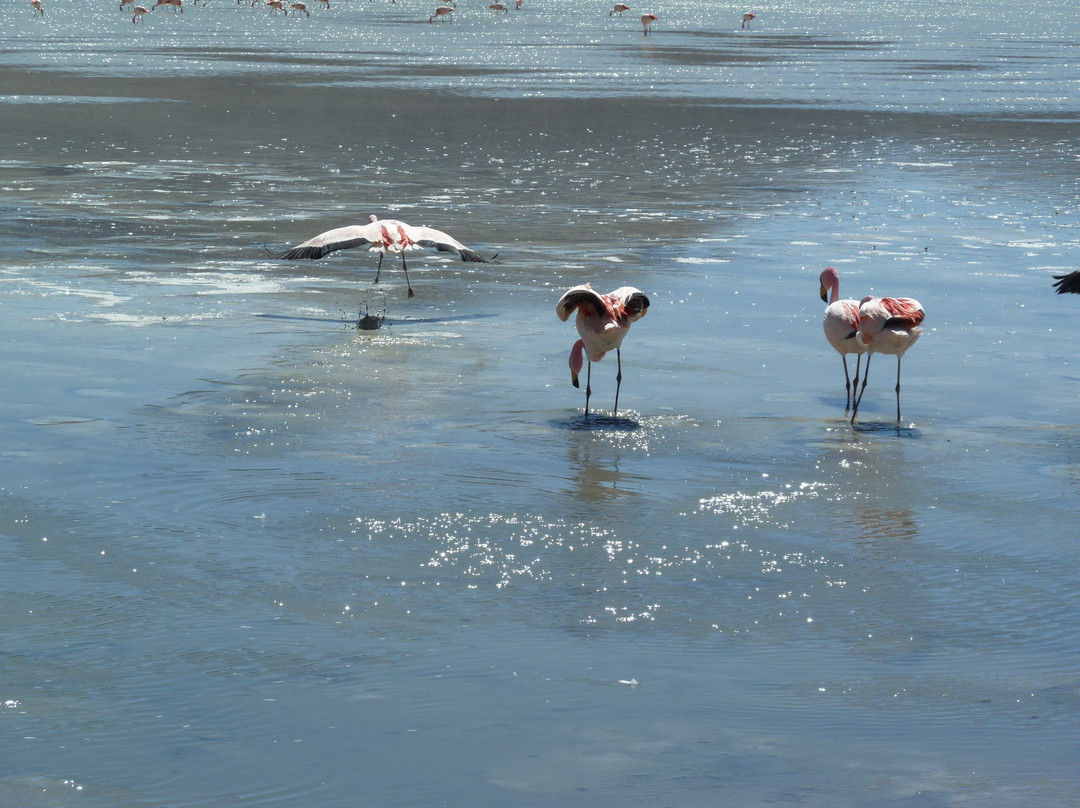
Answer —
251 555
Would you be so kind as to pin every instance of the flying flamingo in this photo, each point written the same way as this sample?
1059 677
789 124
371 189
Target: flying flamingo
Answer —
619 9
1068 283
841 325
38 6
647 20
746 19
888 325
139 11
603 322
441 11
386 236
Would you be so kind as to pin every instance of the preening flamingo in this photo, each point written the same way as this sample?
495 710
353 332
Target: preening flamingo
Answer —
603 322
1068 284
386 236
746 19
888 325
619 9
441 11
841 326
647 20
139 11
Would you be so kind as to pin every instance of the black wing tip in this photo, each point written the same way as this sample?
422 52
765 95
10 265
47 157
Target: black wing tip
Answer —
476 258
313 253
1068 284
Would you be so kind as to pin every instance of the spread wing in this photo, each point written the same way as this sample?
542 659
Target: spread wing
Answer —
1068 283
343 238
430 237
580 296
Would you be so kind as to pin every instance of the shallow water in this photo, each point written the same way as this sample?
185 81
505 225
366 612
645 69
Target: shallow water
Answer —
252 555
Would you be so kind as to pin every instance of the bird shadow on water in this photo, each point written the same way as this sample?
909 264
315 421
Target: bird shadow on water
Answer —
596 422
886 428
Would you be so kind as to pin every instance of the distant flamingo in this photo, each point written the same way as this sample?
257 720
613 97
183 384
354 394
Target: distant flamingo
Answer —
300 7
888 325
1068 284
602 321
746 19
441 11
326 3
647 20
126 3
498 7
277 5
176 4
38 6
841 326
619 9
517 5
139 11
386 236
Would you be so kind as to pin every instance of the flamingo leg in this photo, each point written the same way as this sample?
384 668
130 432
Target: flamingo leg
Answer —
847 383
588 388
866 377
858 364
618 382
897 388
406 274
379 269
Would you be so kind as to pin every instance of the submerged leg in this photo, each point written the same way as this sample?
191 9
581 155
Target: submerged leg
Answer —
618 382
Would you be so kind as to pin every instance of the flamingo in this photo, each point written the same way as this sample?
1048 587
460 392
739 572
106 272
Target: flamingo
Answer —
299 7
276 5
38 7
441 11
1068 284
126 3
647 20
326 3
841 326
746 19
888 325
176 4
139 11
386 236
603 322
619 9
498 7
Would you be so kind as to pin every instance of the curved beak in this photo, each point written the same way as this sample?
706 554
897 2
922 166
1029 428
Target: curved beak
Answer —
824 294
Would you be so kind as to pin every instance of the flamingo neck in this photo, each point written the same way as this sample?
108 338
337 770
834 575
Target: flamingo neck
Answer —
577 358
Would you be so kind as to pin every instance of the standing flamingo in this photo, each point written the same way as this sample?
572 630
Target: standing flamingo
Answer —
746 19
603 322
841 326
386 236
176 4
888 325
499 7
1068 284
441 11
38 7
647 20
619 9
300 7
139 11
